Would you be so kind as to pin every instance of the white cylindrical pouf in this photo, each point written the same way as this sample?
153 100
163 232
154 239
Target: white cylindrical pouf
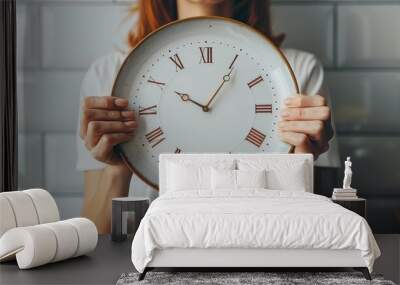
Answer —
45 205
67 239
87 234
40 244
36 245
7 218
23 208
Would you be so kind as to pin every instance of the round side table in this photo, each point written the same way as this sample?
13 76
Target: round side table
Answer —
121 208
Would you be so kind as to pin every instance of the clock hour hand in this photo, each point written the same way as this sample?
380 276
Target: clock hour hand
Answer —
186 98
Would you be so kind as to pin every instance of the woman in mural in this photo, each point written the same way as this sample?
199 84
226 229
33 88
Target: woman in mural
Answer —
106 122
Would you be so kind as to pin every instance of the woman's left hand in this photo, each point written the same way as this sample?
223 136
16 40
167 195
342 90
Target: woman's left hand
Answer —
306 124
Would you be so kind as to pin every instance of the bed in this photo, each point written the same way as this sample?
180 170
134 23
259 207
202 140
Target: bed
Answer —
201 219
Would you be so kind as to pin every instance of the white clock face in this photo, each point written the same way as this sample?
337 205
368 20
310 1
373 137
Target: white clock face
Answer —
203 85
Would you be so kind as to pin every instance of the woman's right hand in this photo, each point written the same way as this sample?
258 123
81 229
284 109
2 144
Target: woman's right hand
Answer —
106 122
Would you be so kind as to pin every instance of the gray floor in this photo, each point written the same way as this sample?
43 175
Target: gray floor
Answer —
110 260
103 266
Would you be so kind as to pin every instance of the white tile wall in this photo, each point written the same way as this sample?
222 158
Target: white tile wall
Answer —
75 35
69 207
30 160
307 27
28 33
58 39
368 35
375 157
60 160
21 100
126 1
50 100
49 2
361 98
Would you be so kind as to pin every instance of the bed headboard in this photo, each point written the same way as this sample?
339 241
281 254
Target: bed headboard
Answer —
166 158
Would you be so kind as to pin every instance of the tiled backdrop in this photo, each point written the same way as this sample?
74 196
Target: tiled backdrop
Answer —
357 41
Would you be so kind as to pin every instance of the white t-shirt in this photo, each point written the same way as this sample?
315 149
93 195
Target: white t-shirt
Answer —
99 81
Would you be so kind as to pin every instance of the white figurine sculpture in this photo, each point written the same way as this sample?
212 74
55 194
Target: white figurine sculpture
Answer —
347 192
348 173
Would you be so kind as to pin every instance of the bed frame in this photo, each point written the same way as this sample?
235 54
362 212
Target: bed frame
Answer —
245 258
242 259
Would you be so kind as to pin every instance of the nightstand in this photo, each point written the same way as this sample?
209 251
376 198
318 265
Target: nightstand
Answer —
357 205
121 208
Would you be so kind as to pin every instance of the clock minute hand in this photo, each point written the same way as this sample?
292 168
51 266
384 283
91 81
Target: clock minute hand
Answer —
225 79
185 97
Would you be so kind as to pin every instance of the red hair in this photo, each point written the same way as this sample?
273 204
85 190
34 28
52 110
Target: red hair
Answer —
153 14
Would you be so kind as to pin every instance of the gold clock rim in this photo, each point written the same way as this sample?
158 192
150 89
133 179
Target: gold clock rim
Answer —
278 50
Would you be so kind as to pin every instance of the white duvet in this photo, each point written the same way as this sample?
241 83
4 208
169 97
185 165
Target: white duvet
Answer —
250 219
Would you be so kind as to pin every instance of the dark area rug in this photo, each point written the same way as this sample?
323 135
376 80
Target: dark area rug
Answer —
233 278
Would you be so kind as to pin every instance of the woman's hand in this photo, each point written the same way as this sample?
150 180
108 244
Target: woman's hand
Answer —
106 122
306 124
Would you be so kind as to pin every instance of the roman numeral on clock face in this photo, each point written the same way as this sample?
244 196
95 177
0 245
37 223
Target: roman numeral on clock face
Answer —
178 63
255 137
152 110
155 137
255 81
206 55
264 108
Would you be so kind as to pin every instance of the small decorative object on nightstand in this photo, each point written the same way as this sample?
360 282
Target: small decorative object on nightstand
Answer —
357 205
122 208
347 196
347 192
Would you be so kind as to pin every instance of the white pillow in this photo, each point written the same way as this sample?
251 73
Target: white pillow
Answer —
293 179
223 179
237 179
185 175
288 174
251 178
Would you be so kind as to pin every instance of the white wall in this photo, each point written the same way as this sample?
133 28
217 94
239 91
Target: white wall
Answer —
57 41
357 41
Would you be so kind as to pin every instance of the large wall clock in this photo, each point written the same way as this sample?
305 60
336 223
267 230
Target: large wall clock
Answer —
203 85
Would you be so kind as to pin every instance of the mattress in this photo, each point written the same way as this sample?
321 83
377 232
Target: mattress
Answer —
250 219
